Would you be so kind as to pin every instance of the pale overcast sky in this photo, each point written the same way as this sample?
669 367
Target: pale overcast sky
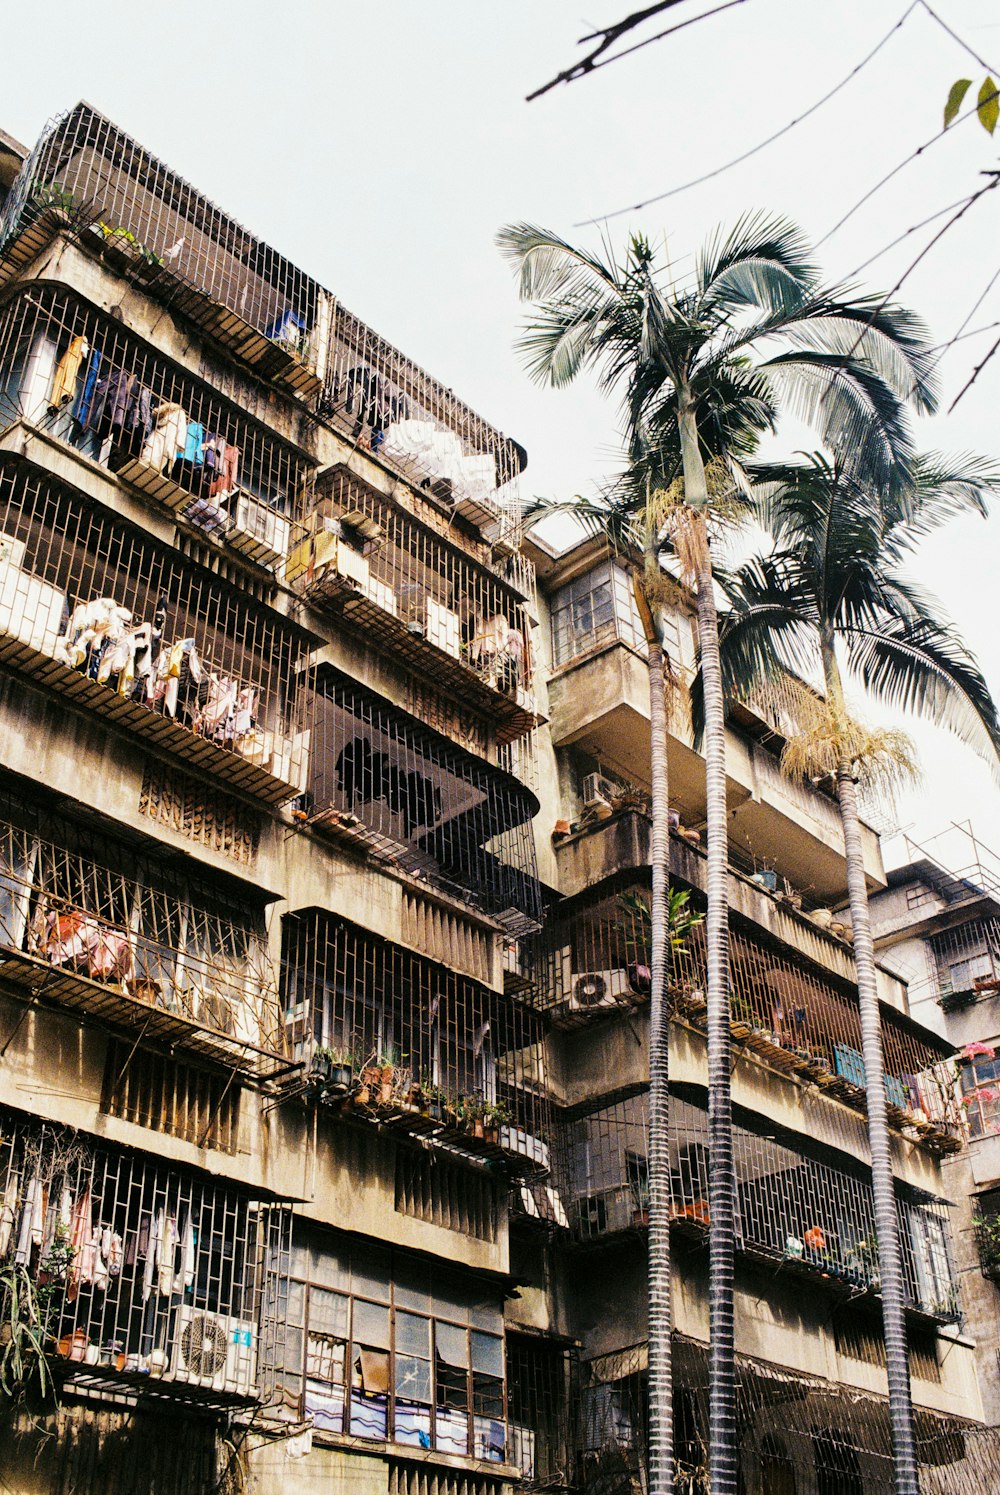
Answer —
381 145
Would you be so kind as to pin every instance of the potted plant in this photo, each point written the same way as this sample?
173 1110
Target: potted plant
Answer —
388 1064
369 1082
433 1100
988 1237
495 1115
471 1110
321 1064
629 796
341 1068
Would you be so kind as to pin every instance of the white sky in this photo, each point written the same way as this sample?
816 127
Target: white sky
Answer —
381 144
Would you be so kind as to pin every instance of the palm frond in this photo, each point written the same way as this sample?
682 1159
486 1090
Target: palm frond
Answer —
921 666
549 267
762 261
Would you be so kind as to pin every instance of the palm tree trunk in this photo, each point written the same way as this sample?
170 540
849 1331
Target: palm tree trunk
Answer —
661 1415
890 1260
722 1174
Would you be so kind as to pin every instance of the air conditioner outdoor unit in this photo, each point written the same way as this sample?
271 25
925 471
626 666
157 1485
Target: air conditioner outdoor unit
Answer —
215 1351
598 790
597 989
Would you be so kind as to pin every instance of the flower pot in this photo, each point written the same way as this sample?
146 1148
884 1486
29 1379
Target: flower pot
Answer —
478 1129
341 1074
363 1094
435 1110
491 1134
385 1093
766 879
319 1070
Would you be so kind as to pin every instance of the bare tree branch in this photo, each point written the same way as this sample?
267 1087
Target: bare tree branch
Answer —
608 35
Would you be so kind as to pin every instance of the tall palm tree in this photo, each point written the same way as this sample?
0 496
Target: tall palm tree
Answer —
702 369
832 598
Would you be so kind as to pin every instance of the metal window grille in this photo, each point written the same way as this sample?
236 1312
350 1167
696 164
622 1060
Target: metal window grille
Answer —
421 429
160 1280
399 791
793 1208
160 1092
87 174
194 809
541 1392
386 1349
81 376
796 1432
100 927
968 958
373 1002
112 620
595 958
429 1188
423 599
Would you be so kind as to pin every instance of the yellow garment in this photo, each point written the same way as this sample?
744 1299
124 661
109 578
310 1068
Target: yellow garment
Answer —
64 381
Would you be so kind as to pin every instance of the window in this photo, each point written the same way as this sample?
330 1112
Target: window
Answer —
393 1354
595 609
980 1081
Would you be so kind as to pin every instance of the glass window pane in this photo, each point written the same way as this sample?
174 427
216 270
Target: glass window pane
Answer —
413 1379
451 1344
487 1353
328 1313
413 1335
370 1273
371 1324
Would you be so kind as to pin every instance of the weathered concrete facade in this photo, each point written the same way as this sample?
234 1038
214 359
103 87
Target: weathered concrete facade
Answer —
326 1147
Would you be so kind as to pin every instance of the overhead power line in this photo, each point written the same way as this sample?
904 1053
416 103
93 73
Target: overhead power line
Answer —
763 144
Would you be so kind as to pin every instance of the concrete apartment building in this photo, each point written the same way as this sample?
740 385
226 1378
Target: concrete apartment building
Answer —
323 972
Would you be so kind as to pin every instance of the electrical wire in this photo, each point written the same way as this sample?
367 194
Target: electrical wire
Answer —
746 155
905 235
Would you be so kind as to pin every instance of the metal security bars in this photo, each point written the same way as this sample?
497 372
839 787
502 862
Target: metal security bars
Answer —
146 1279
414 424
541 1397
85 379
94 924
967 958
392 1350
410 592
381 780
413 1043
112 620
87 174
595 959
792 1207
796 1432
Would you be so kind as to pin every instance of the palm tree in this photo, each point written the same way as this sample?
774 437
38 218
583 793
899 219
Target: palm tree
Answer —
701 371
833 598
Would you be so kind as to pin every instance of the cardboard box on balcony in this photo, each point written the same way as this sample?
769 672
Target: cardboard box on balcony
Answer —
317 553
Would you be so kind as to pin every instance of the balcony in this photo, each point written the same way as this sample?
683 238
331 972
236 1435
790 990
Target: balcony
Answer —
160 1286
384 783
85 381
113 622
388 1038
594 961
91 925
370 562
796 1431
85 175
793 1212
418 428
